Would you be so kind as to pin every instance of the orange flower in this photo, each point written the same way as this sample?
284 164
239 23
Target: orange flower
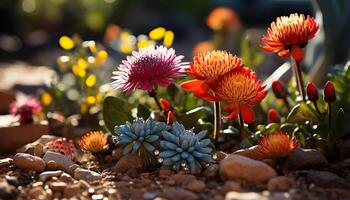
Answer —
277 144
223 19
206 69
94 142
202 47
288 35
241 90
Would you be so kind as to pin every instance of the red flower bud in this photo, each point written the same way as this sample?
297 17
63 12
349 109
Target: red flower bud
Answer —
165 104
312 92
170 118
273 116
279 90
329 92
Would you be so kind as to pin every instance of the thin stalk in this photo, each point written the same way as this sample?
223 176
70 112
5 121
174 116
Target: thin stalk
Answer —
286 103
299 78
153 94
241 127
329 122
217 120
318 110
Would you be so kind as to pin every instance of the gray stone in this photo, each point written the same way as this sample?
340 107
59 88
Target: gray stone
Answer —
305 159
49 174
324 179
86 175
63 162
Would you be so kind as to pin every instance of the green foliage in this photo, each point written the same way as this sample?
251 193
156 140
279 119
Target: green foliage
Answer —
251 54
116 111
303 112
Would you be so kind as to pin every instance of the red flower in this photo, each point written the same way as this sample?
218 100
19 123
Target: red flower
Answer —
170 117
25 109
277 144
206 69
241 90
62 146
273 116
279 90
288 35
165 104
329 92
223 19
312 92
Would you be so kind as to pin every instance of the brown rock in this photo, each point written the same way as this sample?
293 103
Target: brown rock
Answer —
246 170
83 184
211 171
182 179
231 186
66 178
165 172
252 152
39 150
178 193
63 162
51 165
58 186
71 169
196 186
129 161
279 183
28 162
71 191
37 193
5 162
220 155
305 159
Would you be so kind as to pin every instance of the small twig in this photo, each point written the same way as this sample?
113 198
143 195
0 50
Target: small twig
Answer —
299 78
217 121
153 94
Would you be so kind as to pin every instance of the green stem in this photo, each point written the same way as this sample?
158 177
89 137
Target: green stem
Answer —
299 78
241 127
329 122
318 110
217 120
286 103
153 94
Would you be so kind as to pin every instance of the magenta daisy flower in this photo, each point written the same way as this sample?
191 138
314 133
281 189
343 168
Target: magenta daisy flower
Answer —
25 109
148 67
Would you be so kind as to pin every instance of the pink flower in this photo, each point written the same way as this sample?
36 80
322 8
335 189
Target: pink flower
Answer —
25 109
146 68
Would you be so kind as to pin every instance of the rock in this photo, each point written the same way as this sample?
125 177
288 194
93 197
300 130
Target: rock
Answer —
86 175
257 196
63 162
246 170
28 162
342 148
182 179
251 152
58 186
211 171
220 155
5 162
149 196
66 178
39 150
37 193
71 191
51 165
324 179
231 186
44 139
164 172
178 193
83 184
13 180
279 183
6 191
196 186
71 169
305 159
49 174
129 161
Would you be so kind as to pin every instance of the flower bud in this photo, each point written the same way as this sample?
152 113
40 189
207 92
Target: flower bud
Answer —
273 116
329 92
170 117
165 104
312 92
279 90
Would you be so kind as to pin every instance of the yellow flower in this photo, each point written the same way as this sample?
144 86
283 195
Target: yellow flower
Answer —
143 43
46 99
99 97
101 57
83 108
91 80
157 33
82 63
66 42
91 100
168 38
78 71
126 48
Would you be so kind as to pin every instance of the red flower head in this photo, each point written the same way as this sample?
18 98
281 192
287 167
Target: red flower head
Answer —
277 144
241 90
94 142
279 90
25 110
165 104
170 117
206 69
273 116
288 35
329 92
312 92
223 19
62 146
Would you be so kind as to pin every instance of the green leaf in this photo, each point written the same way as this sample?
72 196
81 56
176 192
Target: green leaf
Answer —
288 127
272 127
301 113
116 111
143 111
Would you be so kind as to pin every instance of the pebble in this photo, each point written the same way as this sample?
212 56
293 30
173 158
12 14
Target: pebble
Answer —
86 175
37 193
49 174
164 173
28 162
250 152
5 162
72 168
63 162
196 186
182 179
325 179
71 191
231 186
212 171
127 162
66 178
246 170
279 183
305 159
51 165
58 186
178 193
6 190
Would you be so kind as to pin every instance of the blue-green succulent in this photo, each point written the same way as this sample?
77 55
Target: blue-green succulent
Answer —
139 135
183 148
